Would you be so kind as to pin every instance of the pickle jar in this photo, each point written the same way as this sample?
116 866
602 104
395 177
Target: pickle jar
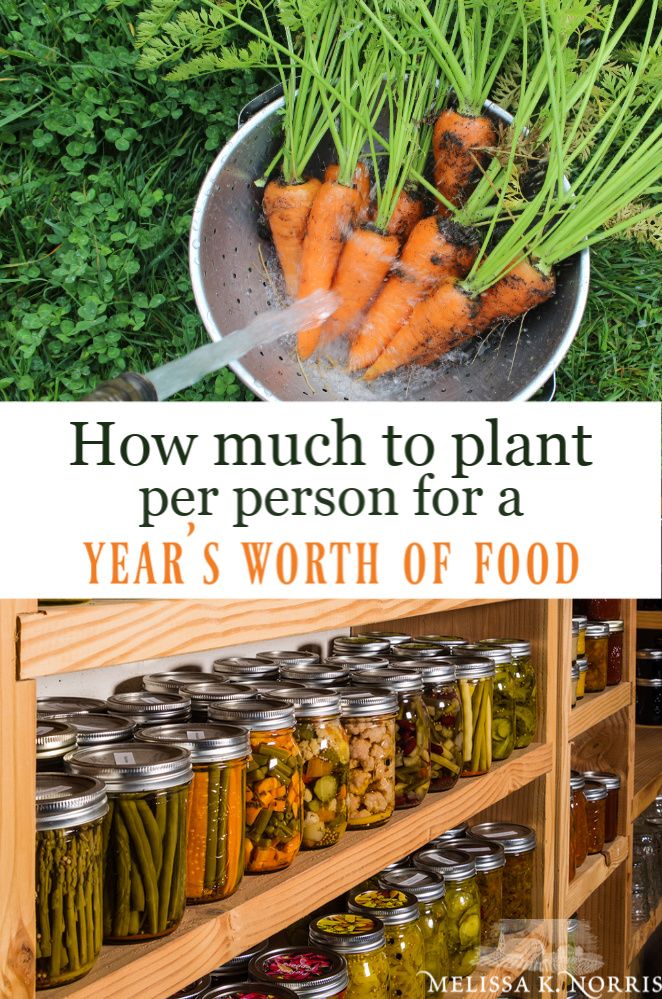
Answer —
519 844
614 652
503 702
101 730
236 969
578 810
145 708
54 740
582 667
441 694
215 837
574 680
393 638
324 747
58 707
315 675
315 972
412 732
195 990
145 831
363 645
649 701
361 941
368 717
597 654
173 681
429 890
250 990
243 669
613 784
398 910
206 692
287 657
579 621
475 676
595 795
355 663
463 924
274 786
68 876
525 690
649 664
490 860
417 649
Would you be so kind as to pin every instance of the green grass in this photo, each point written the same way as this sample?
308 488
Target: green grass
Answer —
100 164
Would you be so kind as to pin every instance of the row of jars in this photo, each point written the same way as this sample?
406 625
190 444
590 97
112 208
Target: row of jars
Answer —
647 862
594 797
649 686
597 655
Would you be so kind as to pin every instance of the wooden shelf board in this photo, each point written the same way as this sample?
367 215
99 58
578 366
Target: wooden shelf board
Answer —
643 932
211 934
594 708
649 620
647 767
64 638
594 871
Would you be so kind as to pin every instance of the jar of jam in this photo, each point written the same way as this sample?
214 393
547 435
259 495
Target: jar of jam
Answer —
574 680
596 812
316 971
362 943
519 844
613 784
597 653
578 809
490 860
580 621
463 925
582 666
602 609
614 652
649 701
649 664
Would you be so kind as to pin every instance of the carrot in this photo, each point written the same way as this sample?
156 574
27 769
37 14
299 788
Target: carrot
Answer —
436 249
196 842
408 211
361 182
286 208
331 216
524 287
459 144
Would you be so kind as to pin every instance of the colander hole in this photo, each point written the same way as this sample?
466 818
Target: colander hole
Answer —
346 398
325 390
236 249
250 291
234 275
250 270
298 374
261 353
222 256
280 358
264 284
238 301
214 232
255 312
304 393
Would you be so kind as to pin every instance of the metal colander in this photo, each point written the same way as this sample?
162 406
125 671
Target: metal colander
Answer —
235 277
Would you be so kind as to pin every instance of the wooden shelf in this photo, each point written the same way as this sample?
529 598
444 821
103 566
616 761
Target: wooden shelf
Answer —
642 932
647 767
595 708
649 620
211 934
594 872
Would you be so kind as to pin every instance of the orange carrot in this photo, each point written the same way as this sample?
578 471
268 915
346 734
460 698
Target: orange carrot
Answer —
408 211
333 213
286 208
459 144
361 182
196 842
524 287
436 249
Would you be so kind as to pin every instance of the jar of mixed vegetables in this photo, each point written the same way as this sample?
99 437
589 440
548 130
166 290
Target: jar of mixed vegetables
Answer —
324 747
582 667
441 695
274 786
429 891
368 717
490 860
243 669
463 927
315 972
361 941
519 844
215 838
352 645
475 676
597 653
412 732
101 730
317 675
578 809
172 682
145 708
612 782
54 740
206 692
503 703
595 795
524 689
399 912
144 833
68 876
58 707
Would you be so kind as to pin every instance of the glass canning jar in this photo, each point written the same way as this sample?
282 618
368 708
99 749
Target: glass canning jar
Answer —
54 740
649 701
206 692
450 835
441 695
315 972
399 912
490 860
216 808
392 637
578 806
368 717
572 845
597 652
145 708
447 644
288 657
362 942
274 782
243 669
250 990
463 925
68 876
519 844
101 730
412 731
429 890
649 664
575 640
503 702
603 608
596 811
324 747
475 676
574 680
525 689
582 666
614 653
173 681
579 621
236 969
352 645
573 933
315 675
613 784
416 650
58 707
145 829
195 990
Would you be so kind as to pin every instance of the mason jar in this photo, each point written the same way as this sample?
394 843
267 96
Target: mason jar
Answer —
450 835
315 972
144 890
250 990
612 782
595 795
57 707
362 942
274 786
441 695
144 708
574 680
206 692
412 732
490 860
597 653
216 807
368 717
580 621
578 809
429 890
265 688
614 652
54 740
417 649
475 676
463 924
447 644
324 747
575 640
68 876
392 637
649 664
572 845
173 681
519 844
352 645
582 667
503 701
316 675
243 669
525 689
649 701
195 990
398 910
355 663
101 730
288 657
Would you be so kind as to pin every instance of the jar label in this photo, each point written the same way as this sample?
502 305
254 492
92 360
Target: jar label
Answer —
196 734
124 759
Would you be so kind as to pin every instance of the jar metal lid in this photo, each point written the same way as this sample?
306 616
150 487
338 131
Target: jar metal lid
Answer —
315 972
64 801
610 780
432 671
582 665
195 990
348 932
390 679
392 637
170 683
474 667
314 673
253 989
362 643
207 691
575 627
574 670
445 641
362 703
238 964
594 790
519 647
258 714
287 657
416 650
266 688
643 681
513 838
597 629
145 706
309 702
99 730
497 653
450 862
356 662
423 885
248 669
580 620
54 739
393 906
488 855
647 654
455 832
206 743
576 780
573 924
56 707
136 767
614 626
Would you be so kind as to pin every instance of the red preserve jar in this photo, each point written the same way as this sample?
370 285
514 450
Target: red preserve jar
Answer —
615 653
613 784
